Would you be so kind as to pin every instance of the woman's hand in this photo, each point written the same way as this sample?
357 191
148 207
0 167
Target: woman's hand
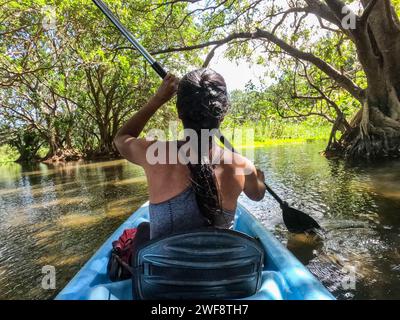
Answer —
167 89
254 185
260 176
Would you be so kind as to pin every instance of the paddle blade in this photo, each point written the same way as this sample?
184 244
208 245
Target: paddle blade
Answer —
297 221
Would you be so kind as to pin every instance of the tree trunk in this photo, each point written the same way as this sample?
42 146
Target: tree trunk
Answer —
106 142
373 135
59 149
375 130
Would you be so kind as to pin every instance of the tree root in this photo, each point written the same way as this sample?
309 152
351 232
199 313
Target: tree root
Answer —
375 136
62 155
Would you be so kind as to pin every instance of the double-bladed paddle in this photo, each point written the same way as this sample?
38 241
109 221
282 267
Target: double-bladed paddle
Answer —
295 220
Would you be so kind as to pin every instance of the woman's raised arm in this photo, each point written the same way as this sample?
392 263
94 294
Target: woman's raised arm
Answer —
126 140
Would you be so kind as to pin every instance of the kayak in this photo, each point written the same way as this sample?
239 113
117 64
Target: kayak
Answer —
283 276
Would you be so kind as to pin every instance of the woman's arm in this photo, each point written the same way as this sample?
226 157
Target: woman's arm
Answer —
126 140
254 186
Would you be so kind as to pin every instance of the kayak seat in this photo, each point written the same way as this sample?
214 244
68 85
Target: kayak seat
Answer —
204 264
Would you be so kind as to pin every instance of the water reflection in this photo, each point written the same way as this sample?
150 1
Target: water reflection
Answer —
60 215
358 205
304 246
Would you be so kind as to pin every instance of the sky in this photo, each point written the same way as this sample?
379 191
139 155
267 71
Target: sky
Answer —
236 73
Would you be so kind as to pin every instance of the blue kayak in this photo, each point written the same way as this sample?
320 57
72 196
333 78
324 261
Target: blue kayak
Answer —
283 276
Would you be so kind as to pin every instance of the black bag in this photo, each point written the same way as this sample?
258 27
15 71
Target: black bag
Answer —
205 264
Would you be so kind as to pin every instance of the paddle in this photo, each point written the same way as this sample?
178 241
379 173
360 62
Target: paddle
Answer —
295 220
125 32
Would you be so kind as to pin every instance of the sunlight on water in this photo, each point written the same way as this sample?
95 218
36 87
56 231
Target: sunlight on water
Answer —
77 221
61 214
59 261
357 205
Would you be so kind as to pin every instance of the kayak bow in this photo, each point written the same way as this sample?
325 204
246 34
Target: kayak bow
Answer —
283 278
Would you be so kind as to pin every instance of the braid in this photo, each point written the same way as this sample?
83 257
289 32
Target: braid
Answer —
205 185
202 103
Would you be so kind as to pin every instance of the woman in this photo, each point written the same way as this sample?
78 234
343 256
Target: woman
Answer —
201 193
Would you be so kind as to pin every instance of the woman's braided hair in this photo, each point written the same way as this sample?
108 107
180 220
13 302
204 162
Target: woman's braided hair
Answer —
202 103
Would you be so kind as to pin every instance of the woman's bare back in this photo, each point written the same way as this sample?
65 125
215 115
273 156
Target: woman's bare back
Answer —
232 171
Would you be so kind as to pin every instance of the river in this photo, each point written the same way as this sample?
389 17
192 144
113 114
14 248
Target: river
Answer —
60 214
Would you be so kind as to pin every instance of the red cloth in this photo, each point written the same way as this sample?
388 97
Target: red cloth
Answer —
124 245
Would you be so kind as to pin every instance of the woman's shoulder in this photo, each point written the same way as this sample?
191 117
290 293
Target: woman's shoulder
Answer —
162 152
233 160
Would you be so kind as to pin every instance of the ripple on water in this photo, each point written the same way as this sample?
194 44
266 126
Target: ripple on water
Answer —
61 214
357 205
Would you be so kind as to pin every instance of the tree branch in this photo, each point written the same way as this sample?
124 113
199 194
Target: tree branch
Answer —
343 81
210 56
367 11
321 10
337 6
389 16
231 37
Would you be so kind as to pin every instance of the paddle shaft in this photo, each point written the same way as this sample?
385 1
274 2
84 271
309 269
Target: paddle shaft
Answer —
125 32
159 69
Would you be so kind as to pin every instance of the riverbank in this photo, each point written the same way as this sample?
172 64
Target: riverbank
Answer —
274 133
9 155
275 142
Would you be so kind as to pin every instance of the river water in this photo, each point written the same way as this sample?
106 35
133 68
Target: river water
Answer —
60 214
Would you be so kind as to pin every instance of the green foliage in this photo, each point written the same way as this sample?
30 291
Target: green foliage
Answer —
280 132
73 84
27 143
8 153
257 110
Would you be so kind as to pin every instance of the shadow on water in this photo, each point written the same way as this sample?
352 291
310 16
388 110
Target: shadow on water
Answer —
359 206
60 214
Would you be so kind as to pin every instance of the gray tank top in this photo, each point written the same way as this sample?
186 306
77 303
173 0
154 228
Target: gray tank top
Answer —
181 213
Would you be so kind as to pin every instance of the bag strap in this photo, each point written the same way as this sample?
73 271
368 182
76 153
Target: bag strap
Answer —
123 264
